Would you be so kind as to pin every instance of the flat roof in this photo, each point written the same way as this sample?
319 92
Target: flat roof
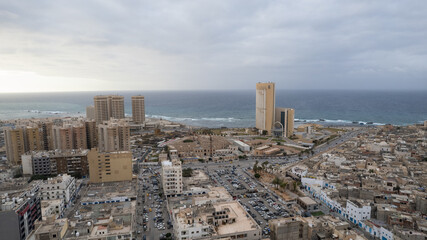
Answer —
243 221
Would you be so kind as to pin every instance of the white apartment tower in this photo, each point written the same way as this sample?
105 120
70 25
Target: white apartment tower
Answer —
172 178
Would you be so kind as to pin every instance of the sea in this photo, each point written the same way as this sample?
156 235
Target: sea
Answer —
234 108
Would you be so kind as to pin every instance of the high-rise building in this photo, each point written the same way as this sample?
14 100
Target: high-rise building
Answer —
46 128
109 167
34 138
15 144
114 135
91 134
70 136
90 112
285 116
79 136
172 178
117 107
63 137
109 106
265 106
138 109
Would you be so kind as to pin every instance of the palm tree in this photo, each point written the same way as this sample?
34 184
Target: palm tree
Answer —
255 168
276 182
283 185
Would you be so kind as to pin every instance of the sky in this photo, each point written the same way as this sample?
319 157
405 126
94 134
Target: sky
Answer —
87 45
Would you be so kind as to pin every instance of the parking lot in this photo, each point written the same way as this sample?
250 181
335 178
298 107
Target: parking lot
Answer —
260 203
153 218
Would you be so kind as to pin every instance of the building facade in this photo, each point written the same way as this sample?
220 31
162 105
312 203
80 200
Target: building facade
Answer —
18 216
293 228
73 162
138 109
172 178
109 166
90 112
113 136
61 187
108 106
285 116
265 106
15 144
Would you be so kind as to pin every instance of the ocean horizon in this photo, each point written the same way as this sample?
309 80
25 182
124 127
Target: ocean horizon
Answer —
233 108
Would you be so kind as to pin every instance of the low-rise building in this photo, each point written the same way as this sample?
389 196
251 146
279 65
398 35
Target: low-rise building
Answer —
221 220
61 187
292 228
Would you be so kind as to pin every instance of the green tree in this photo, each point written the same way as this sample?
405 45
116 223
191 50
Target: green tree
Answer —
276 182
188 172
263 165
257 175
283 185
255 168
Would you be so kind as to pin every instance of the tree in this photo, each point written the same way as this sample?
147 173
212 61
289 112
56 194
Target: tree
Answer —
276 182
255 168
295 185
188 172
283 185
263 165
257 175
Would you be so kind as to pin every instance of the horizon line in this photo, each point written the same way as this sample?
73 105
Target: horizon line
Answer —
245 89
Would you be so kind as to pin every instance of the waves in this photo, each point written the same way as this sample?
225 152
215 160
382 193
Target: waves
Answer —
181 119
337 122
248 122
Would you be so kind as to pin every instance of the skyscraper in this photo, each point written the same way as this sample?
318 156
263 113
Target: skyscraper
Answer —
15 144
90 112
138 109
285 116
114 136
265 106
108 106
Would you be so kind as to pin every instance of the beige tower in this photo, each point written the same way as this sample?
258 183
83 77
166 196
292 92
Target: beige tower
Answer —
34 138
265 106
79 136
117 107
109 167
46 128
91 134
285 116
138 109
109 106
102 106
90 112
114 135
15 144
63 137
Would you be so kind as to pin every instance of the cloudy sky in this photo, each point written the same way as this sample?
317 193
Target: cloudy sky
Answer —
219 44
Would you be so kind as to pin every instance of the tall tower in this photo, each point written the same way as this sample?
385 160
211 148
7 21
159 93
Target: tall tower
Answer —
138 109
113 135
285 116
109 106
15 144
265 106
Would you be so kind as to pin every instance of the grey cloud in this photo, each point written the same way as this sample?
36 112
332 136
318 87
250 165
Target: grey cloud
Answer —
211 44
